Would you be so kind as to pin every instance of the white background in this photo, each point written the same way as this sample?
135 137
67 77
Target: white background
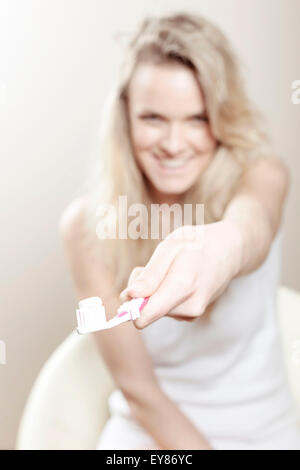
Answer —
57 60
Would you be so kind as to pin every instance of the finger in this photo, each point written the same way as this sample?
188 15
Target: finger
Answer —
176 288
155 270
180 317
124 296
135 274
175 313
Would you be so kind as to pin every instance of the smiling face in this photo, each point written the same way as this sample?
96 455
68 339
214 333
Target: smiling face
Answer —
170 134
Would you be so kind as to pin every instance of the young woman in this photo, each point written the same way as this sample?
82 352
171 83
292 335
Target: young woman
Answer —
202 368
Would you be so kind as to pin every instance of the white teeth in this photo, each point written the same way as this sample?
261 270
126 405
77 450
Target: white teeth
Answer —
174 163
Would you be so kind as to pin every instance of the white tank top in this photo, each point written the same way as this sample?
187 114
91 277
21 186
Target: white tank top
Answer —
226 371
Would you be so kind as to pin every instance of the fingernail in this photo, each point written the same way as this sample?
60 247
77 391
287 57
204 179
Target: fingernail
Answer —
137 286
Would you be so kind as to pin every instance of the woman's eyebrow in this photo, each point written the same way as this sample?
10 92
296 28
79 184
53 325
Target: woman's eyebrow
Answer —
191 116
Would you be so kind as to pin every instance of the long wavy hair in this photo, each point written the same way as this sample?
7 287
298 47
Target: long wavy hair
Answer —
191 41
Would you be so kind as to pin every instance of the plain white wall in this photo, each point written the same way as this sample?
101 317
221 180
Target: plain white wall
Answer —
58 59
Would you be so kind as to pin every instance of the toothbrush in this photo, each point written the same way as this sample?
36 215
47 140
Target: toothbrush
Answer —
91 314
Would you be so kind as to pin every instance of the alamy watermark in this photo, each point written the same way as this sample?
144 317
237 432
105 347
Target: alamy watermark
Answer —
2 352
137 221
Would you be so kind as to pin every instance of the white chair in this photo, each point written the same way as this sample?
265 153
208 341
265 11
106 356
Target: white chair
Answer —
67 406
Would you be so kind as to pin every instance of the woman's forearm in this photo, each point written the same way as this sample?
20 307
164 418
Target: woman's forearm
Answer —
256 210
127 358
166 423
249 218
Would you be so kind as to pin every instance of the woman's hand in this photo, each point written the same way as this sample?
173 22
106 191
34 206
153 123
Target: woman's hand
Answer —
187 272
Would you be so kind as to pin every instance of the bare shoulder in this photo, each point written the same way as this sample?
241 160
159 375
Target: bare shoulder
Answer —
71 219
273 165
86 264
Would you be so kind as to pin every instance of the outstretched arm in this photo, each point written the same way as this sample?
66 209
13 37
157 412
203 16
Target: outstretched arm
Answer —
257 209
185 275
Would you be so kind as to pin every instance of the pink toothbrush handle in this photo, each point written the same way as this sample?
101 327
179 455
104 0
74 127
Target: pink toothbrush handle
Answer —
121 314
144 303
140 309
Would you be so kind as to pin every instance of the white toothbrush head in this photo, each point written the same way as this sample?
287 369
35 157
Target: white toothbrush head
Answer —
91 314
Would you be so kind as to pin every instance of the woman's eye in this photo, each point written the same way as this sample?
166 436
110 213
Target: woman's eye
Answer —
201 118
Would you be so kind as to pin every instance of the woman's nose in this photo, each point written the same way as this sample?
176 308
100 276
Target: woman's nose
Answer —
173 142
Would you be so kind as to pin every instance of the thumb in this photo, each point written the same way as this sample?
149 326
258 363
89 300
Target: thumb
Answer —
124 296
135 273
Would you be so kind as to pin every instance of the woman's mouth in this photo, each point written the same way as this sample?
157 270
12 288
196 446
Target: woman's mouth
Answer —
172 164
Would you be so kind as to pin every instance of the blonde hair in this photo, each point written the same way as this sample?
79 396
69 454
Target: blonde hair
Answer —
194 42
